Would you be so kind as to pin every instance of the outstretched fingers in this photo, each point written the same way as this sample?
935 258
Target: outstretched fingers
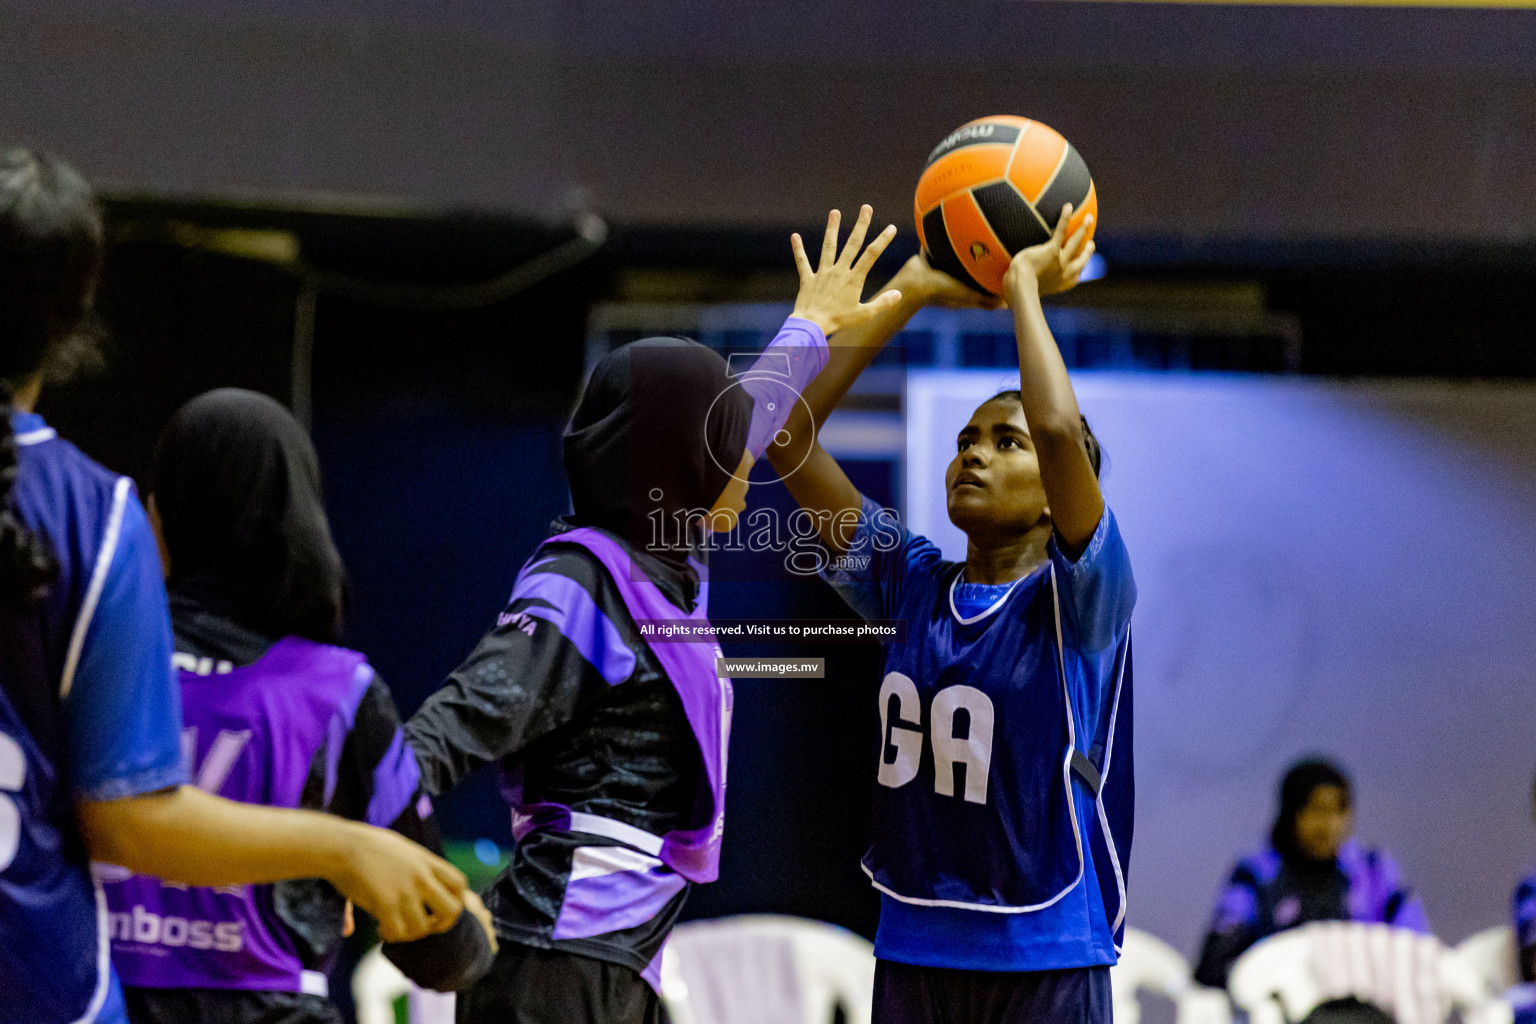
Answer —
1077 264
829 241
866 260
1074 245
856 236
802 261
1059 236
882 303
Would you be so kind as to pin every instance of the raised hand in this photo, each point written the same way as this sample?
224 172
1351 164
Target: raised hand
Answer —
1054 265
920 284
829 295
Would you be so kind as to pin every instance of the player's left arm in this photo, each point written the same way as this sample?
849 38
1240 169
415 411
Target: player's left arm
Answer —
1050 406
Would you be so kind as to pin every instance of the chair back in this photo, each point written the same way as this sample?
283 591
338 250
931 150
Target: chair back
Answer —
1412 977
766 969
1491 955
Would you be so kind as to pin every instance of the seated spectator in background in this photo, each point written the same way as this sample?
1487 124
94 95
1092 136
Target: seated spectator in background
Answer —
1312 871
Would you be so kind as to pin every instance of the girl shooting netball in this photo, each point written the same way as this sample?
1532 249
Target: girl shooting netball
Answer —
1002 817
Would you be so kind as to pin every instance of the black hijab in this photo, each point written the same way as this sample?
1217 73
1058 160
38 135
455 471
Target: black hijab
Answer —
1304 778
657 434
237 485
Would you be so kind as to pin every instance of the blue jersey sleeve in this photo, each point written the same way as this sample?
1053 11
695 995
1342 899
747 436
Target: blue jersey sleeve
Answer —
881 556
1234 927
122 711
1098 589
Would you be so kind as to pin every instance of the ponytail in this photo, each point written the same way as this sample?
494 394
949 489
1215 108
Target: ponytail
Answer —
27 564
50 257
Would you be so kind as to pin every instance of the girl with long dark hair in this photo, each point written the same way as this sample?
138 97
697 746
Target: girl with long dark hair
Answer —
90 717
1312 870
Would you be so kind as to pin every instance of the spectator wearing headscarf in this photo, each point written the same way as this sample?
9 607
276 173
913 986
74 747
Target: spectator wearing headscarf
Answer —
1312 870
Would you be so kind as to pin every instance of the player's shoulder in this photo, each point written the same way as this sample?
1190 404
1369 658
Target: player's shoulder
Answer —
571 578
58 478
574 562
1258 868
84 509
1104 550
562 572
1370 861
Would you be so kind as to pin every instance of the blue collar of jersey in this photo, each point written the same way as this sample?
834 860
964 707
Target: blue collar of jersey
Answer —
29 428
991 609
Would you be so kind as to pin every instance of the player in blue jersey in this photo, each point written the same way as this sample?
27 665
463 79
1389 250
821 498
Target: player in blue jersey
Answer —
90 720
1003 811
273 713
1312 871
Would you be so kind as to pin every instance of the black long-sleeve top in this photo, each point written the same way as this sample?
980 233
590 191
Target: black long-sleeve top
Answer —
564 695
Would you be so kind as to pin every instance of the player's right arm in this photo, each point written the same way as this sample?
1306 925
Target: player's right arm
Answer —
819 485
1234 928
1045 389
553 653
186 835
121 709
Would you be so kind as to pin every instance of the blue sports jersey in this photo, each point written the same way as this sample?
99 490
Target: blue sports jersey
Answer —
1003 816
89 710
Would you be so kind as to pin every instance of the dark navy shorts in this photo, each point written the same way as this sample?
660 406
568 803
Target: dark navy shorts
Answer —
550 986
905 994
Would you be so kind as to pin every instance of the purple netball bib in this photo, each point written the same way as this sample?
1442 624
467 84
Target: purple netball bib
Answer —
251 734
706 698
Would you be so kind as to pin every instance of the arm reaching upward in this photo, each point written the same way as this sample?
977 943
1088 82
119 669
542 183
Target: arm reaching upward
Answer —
820 485
1045 391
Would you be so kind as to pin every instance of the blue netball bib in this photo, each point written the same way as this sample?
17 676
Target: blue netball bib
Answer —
1004 765
945 831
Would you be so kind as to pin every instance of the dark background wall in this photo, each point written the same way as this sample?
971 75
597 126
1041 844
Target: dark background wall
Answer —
1196 119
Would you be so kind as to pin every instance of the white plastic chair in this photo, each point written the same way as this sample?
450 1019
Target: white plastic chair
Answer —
377 984
1492 956
1413 977
1148 964
1273 980
766 969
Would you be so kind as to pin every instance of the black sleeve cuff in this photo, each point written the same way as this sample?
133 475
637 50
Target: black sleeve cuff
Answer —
448 961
